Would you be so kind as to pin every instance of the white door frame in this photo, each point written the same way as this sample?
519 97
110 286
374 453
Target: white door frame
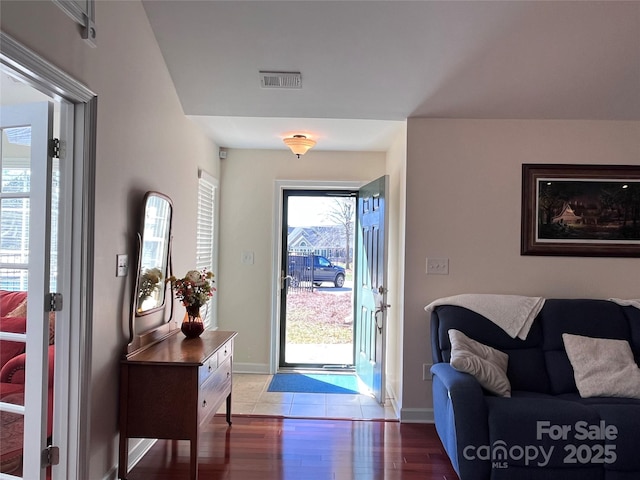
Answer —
276 259
71 423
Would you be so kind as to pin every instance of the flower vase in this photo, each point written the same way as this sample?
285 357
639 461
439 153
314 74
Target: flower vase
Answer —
192 325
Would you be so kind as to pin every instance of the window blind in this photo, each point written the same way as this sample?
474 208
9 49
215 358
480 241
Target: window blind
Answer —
206 254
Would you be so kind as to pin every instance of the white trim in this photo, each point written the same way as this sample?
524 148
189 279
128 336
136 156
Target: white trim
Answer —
47 78
141 447
65 254
85 17
391 397
417 415
279 187
40 74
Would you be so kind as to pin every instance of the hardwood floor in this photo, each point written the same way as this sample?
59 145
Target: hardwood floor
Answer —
268 448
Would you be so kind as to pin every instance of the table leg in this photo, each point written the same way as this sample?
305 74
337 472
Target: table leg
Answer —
123 459
194 457
229 409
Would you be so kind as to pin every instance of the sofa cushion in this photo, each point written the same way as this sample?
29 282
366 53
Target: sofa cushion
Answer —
590 318
575 397
603 367
537 423
526 369
10 300
626 420
486 364
9 349
21 311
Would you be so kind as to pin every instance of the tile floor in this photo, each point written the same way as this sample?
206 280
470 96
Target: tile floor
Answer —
250 397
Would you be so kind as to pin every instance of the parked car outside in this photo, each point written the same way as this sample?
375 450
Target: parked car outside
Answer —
323 270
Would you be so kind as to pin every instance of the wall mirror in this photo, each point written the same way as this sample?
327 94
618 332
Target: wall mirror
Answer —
154 251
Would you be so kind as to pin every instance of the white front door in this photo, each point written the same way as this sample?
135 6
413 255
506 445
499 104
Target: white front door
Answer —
25 218
370 303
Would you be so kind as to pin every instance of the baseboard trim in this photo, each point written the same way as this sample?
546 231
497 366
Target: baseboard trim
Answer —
391 398
251 368
416 415
138 451
111 474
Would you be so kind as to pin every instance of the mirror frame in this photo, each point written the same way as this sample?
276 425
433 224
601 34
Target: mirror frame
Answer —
166 259
140 339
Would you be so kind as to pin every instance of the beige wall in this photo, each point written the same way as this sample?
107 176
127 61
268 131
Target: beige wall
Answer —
396 166
144 142
463 203
247 198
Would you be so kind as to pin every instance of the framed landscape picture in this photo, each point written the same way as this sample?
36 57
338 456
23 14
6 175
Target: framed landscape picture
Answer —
581 210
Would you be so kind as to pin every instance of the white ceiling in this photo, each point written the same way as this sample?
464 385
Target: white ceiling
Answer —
368 65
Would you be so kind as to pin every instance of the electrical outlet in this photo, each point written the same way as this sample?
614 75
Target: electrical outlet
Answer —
426 371
437 266
247 258
122 265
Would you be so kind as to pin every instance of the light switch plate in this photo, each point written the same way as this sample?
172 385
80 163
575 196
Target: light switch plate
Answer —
122 265
437 266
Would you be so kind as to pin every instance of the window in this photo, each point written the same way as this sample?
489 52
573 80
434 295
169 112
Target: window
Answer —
206 237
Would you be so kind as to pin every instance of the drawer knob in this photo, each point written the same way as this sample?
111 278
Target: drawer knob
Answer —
228 374
210 367
204 403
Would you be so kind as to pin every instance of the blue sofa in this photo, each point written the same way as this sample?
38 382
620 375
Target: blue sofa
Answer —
545 430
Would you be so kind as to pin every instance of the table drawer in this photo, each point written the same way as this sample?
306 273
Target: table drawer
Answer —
207 368
214 391
225 351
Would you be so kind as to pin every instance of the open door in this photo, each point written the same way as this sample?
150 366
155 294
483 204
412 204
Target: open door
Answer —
25 217
370 286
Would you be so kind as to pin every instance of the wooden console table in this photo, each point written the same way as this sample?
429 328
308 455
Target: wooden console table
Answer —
170 388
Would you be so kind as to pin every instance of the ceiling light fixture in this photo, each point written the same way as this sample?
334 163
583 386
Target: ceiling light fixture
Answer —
299 144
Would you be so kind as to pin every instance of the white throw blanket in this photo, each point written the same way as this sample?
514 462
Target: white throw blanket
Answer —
513 313
626 303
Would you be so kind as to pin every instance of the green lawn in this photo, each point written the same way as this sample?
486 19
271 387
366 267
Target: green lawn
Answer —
319 318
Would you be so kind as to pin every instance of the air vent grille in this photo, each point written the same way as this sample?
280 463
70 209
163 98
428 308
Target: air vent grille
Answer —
280 80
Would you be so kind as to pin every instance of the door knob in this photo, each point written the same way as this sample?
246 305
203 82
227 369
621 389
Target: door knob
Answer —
381 309
283 280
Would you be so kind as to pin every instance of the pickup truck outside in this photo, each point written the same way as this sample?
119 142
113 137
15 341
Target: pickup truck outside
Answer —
323 270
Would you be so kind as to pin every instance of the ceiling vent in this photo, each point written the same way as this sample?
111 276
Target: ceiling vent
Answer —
280 80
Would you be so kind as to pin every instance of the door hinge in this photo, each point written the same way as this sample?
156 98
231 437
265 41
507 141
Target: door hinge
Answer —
53 302
50 456
54 148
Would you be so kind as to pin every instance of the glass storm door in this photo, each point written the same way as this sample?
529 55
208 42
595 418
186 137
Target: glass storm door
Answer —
316 306
25 218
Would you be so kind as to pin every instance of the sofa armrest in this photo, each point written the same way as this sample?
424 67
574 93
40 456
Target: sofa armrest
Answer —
13 370
461 419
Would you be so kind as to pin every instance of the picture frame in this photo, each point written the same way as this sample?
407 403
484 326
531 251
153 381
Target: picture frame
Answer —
580 210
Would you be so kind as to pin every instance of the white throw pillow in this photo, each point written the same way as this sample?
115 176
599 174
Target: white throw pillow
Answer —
602 367
486 364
